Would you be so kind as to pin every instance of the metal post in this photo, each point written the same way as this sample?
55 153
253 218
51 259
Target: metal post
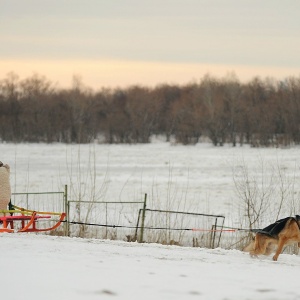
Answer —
143 219
106 220
137 225
67 210
221 232
214 228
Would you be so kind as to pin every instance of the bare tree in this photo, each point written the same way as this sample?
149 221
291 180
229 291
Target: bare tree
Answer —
255 189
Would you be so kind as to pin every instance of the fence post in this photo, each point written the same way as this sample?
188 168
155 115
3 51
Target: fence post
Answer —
106 231
222 226
143 219
137 225
66 204
213 234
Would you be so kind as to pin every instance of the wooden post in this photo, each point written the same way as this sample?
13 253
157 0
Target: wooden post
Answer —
143 219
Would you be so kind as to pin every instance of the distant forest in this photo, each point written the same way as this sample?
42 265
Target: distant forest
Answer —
261 112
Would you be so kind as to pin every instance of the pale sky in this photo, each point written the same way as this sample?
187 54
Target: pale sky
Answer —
123 42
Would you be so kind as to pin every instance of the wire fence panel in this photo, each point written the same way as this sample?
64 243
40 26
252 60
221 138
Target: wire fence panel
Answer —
182 228
129 221
43 202
109 220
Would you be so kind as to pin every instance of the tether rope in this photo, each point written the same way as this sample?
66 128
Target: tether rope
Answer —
157 228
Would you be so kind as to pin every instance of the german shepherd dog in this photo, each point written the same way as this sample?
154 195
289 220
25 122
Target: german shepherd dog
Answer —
281 233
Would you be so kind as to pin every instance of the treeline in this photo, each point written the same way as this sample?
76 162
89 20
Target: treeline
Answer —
261 112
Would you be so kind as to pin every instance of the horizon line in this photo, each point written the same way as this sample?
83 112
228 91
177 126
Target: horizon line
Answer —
110 73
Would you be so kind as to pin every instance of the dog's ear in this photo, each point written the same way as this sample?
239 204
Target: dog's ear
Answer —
1 164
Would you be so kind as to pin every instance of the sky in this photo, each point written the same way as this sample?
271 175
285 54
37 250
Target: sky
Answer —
111 43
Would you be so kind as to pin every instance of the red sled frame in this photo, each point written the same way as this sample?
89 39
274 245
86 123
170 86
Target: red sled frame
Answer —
28 220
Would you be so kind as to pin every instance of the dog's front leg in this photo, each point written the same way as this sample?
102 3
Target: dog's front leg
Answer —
281 243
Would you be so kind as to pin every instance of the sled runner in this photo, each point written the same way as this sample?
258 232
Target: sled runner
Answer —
28 220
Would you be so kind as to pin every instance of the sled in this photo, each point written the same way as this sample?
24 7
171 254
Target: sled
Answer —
28 220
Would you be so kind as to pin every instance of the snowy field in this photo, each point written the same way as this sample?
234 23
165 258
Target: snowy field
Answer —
187 178
44 267
192 178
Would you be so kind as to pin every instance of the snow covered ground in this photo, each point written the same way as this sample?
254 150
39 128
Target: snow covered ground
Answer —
45 267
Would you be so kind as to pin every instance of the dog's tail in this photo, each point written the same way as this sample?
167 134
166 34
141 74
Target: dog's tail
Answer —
249 247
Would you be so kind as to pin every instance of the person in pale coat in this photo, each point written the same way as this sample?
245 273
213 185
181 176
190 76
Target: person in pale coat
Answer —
5 190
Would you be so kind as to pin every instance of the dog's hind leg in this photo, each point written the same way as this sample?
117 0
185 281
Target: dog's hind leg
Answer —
260 245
